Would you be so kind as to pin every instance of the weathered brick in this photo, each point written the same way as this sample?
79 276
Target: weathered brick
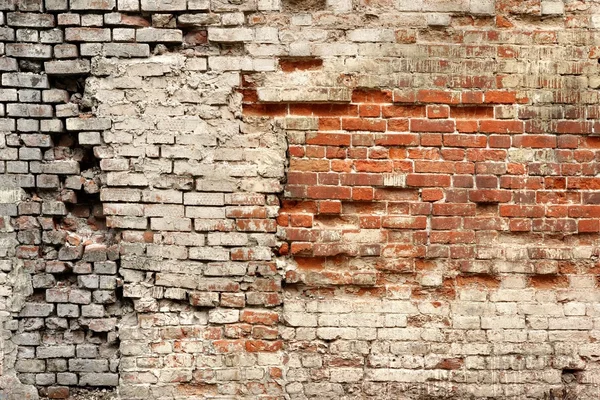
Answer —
230 34
30 20
55 351
87 34
99 379
71 67
151 35
126 50
106 5
36 310
88 124
163 5
25 79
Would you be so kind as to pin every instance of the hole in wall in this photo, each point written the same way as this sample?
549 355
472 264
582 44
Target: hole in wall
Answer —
303 5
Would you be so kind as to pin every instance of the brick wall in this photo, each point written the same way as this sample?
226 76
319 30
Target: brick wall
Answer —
278 199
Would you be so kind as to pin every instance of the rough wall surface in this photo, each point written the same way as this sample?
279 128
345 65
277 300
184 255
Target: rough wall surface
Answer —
282 199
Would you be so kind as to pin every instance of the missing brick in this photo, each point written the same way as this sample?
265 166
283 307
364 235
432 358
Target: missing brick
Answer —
303 5
300 64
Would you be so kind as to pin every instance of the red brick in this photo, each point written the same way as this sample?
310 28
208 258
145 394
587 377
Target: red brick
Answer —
398 125
283 219
335 152
364 124
471 97
363 139
500 141
397 139
467 126
431 139
405 96
486 181
520 225
300 64
454 155
402 250
379 153
371 96
361 179
298 206
406 36
249 95
373 166
358 153
490 196
557 211
330 124
427 180
328 139
501 126
453 209
535 141
460 140
309 165
259 317
369 110
341 165
324 110
544 37
301 220
462 181
425 125
362 194
446 223
329 192
500 97
265 110
228 346
301 235
256 225
568 142
508 51
296 151
254 346
485 223
472 112
58 392
487 155
584 211
403 111
246 212
195 38
438 96
528 211
314 151
588 225
434 166
396 195
555 225
438 111
576 127
404 222
370 222
432 194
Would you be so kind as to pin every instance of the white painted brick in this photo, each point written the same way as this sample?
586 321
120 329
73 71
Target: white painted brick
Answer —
553 7
482 7
230 34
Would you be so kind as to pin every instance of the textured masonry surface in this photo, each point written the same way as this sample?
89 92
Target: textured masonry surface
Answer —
282 199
